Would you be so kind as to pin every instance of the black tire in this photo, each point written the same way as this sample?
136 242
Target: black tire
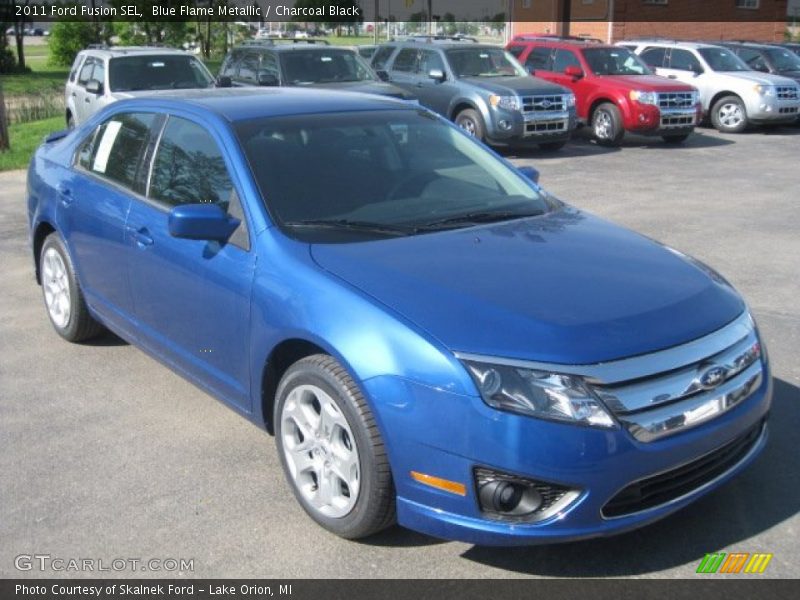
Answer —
78 325
607 125
675 139
552 146
723 115
470 121
375 504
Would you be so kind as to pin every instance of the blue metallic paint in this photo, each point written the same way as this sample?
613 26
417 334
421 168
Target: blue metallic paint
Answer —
572 289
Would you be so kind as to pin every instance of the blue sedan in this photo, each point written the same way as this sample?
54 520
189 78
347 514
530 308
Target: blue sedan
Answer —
432 338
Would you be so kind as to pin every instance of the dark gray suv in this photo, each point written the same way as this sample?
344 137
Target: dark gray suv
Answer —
308 63
483 89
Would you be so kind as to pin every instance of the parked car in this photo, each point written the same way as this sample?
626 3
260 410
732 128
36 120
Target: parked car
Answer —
792 46
767 58
311 63
482 89
615 92
430 336
733 95
101 75
366 51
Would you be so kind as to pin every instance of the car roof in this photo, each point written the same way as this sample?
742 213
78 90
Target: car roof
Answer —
293 44
439 43
671 43
115 51
243 104
563 43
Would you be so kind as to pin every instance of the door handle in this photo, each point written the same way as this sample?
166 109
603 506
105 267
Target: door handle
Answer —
64 195
86 100
672 76
141 236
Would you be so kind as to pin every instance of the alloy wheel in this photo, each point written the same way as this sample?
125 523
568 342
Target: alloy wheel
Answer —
56 288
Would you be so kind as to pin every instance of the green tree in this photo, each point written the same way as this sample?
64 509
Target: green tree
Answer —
67 38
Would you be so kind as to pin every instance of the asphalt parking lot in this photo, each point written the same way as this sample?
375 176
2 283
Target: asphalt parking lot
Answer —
107 454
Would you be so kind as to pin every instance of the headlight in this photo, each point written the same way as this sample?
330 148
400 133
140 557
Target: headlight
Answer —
570 98
695 97
506 102
538 394
644 97
765 90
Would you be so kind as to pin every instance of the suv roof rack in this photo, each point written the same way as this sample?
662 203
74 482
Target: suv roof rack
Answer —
429 39
551 37
276 41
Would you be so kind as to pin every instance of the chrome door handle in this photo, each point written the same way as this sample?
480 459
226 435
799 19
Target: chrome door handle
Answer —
64 195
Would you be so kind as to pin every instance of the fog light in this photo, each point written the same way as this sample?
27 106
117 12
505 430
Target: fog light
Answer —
505 125
509 497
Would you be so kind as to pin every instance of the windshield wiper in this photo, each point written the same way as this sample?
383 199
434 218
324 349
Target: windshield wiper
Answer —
476 218
347 224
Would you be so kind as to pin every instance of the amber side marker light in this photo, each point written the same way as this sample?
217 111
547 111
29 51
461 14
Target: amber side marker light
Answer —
440 484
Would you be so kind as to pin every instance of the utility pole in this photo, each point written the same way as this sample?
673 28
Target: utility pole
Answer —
430 17
5 143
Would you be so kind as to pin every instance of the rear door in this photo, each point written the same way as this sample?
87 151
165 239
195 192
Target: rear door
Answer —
192 297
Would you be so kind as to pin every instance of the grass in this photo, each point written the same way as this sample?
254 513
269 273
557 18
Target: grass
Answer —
25 138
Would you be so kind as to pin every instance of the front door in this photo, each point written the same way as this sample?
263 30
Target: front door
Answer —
192 297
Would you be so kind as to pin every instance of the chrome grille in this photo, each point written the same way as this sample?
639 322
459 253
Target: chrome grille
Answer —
788 110
675 100
544 103
545 126
689 394
668 121
787 92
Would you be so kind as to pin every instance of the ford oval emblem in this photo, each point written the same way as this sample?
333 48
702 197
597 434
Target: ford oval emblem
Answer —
712 377
546 104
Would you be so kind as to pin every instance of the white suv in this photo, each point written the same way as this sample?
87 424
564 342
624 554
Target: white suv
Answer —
102 75
732 94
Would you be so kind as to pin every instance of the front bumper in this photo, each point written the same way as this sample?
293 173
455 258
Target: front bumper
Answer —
523 128
772 110
652 120
448 436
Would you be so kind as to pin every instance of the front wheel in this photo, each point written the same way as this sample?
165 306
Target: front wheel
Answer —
62 293
675 139
331 450
607 125
729 115
470 121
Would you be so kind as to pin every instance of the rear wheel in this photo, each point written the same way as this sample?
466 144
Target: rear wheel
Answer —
331 450
62 294
729 115
607 125
470 121
675 139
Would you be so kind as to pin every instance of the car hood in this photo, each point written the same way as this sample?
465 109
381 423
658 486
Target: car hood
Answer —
648 83
368 87
565 288
758 77
507 86
125 95
794 75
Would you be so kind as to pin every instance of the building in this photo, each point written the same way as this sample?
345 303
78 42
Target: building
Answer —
613 20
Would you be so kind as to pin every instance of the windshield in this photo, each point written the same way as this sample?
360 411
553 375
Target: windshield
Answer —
615 61
154 72
305 67
783 60
721 59
368 175
484 62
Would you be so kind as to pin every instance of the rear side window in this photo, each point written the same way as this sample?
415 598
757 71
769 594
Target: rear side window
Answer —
654 57
406 61
381 55
539 59
683 60
114 150
564 59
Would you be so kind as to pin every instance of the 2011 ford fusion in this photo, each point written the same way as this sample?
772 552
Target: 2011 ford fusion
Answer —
433 339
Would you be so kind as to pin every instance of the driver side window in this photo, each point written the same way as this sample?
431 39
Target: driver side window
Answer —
683 60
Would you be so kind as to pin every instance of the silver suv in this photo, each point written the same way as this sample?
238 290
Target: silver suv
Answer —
101 75
732 94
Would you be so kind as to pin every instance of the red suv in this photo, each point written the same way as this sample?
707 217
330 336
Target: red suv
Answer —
615 91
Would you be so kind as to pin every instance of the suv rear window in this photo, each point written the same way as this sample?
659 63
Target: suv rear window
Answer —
153 72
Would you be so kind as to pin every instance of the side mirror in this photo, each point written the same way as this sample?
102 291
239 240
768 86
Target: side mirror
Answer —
94 87
436 75
382 74
224 81
530 173
573 71
698 71
201 222
267 78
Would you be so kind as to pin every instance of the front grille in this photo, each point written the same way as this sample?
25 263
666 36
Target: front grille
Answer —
787 92
665 487
725 369
676 100
543 104
788 110
545 127
677 121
